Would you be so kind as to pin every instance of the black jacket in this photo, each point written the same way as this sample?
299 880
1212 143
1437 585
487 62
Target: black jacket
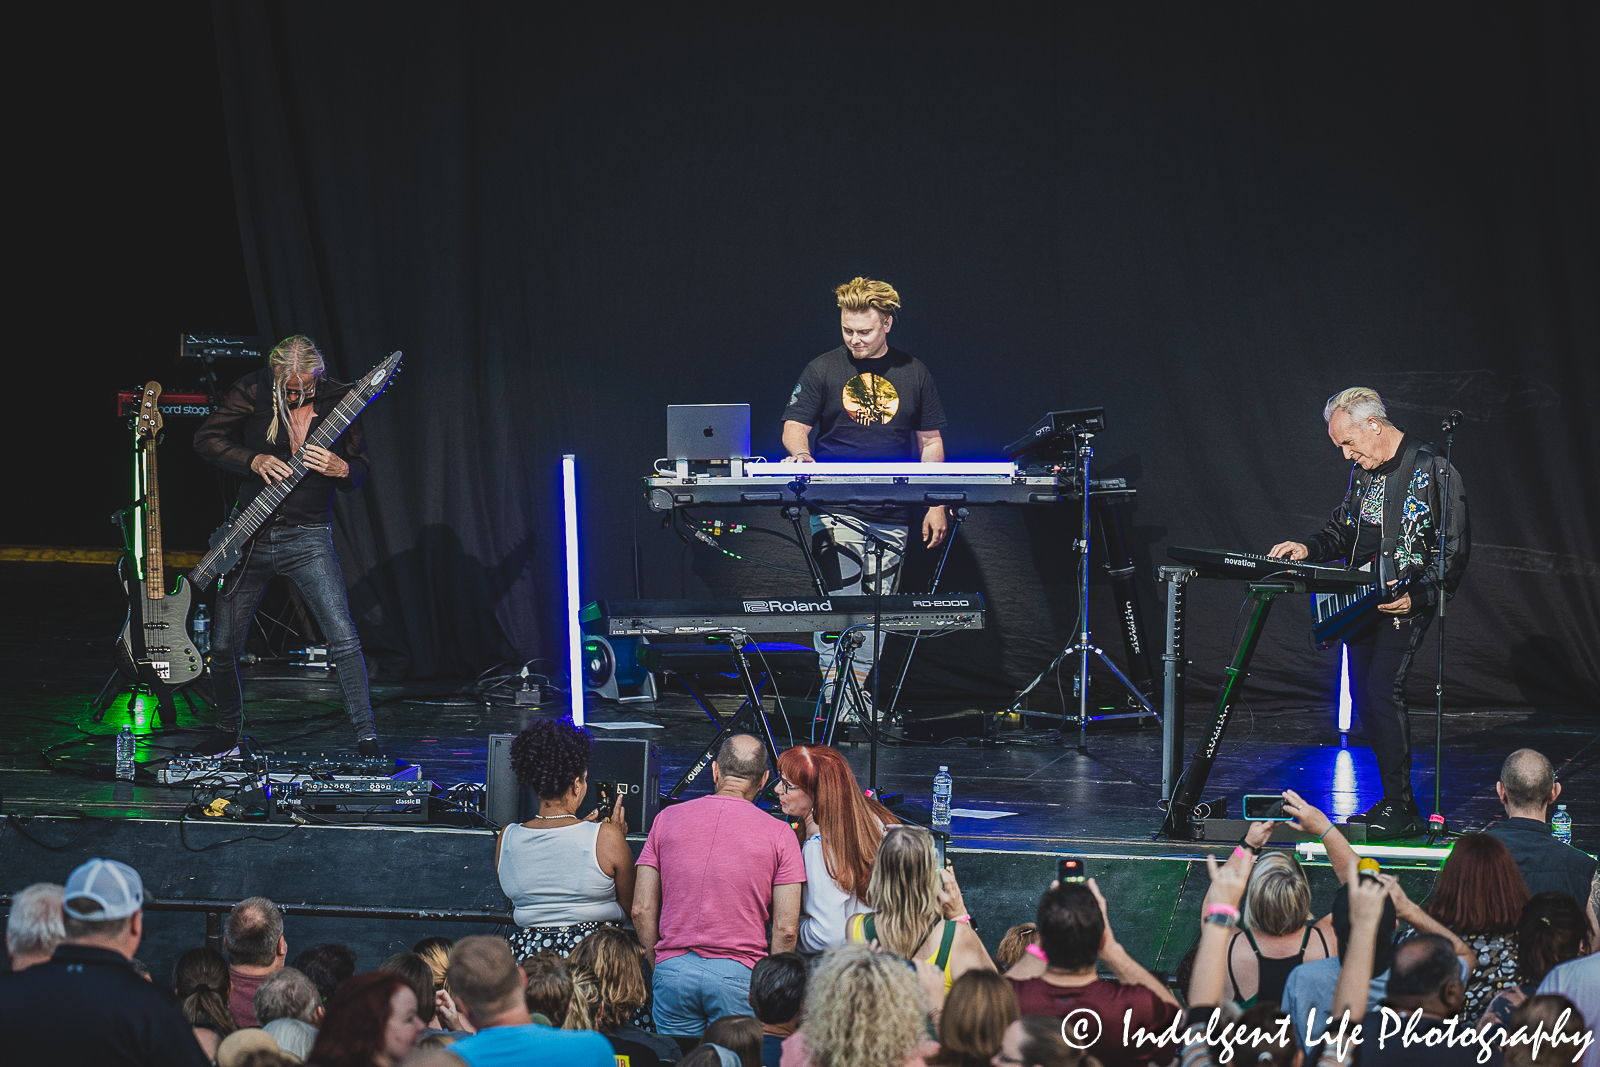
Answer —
1417 543
1546 864
89 1006
236 433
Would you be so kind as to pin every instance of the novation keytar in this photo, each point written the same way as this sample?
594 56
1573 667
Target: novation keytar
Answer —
1250 567
901 611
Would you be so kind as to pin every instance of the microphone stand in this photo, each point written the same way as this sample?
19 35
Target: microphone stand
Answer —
1437 824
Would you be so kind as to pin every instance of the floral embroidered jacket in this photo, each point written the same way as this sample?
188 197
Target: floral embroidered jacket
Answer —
1416 539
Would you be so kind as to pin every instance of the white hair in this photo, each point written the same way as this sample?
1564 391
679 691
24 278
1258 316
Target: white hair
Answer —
35 923
293 357
1360 403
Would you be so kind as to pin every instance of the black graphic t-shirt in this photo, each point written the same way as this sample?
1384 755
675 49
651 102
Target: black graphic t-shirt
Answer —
866 409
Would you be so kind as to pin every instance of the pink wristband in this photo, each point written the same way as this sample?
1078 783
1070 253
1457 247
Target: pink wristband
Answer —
1037 953
967 918
1220 908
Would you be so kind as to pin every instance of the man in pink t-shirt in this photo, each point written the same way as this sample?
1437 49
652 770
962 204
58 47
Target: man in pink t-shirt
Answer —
714 872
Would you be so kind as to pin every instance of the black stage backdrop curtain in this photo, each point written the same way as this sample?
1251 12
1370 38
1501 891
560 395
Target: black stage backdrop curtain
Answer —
1205 218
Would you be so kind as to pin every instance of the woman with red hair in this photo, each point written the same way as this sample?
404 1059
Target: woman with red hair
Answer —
1479 897
839 830
371 1022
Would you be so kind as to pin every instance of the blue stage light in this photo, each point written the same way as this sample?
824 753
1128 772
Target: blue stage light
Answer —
569 508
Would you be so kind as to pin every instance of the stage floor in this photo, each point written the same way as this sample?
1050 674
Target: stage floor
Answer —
1102 802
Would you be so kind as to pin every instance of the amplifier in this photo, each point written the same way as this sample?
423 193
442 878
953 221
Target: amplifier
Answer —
633 765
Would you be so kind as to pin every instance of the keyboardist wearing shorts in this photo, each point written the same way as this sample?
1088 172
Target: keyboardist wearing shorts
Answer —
865 400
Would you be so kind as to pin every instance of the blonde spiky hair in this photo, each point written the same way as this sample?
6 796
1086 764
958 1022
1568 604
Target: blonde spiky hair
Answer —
859 294
291 357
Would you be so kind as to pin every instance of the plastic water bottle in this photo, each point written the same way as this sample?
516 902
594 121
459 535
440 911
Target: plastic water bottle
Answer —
125 754
1561 825
202 630
943 786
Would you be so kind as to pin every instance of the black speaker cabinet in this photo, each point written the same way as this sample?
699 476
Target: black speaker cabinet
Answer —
632 765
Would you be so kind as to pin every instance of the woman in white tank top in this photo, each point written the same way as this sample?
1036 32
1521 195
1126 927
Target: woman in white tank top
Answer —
565 876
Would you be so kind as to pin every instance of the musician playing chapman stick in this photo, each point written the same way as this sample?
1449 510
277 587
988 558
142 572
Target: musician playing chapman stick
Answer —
866 401
262 422
1388 519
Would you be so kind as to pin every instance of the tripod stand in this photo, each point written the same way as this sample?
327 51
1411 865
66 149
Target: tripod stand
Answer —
1083 646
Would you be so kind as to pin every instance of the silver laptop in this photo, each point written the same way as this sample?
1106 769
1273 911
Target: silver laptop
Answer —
708 431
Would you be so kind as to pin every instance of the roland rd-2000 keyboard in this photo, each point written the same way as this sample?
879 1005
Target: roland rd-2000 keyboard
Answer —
901 611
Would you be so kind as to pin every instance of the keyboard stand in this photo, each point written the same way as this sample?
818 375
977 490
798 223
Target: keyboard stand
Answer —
751 709
1181 810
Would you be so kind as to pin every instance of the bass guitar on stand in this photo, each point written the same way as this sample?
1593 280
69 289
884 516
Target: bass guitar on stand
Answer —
154 647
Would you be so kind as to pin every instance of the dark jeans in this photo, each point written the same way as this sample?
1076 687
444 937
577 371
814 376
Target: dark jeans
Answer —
304 555
1380 658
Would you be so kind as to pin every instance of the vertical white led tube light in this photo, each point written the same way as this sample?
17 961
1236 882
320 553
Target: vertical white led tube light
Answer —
569 508
1344 689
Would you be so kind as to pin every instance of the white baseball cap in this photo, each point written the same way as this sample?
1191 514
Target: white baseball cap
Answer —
103 890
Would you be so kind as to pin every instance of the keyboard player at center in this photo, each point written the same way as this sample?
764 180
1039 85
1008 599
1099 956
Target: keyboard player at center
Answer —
865 401
1390 507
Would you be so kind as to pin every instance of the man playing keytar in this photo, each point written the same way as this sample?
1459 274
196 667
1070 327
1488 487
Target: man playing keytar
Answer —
1388 520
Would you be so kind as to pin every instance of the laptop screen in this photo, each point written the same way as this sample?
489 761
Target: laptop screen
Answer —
708 431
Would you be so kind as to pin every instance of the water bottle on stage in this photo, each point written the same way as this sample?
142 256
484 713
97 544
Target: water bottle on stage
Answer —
943 786
1561 825
125 745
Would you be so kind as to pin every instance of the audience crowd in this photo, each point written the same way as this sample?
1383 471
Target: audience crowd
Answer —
840 941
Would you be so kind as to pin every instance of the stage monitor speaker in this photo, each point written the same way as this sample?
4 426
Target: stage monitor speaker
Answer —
633 764
611 668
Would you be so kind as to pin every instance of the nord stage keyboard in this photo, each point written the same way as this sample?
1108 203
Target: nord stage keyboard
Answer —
893 484
1220 563
902 611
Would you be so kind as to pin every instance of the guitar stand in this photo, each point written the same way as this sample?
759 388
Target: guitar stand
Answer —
166 707
730 725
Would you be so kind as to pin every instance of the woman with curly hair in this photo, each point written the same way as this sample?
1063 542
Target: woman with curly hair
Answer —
610 956
839 830
863 1009
565 876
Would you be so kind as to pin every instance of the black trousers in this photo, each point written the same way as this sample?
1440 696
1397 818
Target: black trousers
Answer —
1380 659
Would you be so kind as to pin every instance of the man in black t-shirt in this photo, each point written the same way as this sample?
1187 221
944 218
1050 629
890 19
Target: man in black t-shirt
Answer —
866 401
